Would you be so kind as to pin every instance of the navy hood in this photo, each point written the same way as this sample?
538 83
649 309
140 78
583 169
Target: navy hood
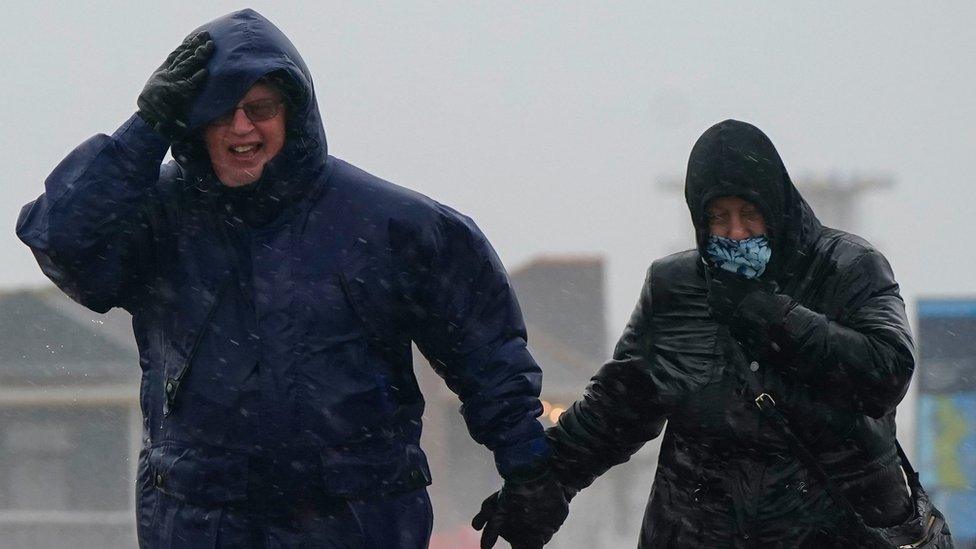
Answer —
248 47
734 158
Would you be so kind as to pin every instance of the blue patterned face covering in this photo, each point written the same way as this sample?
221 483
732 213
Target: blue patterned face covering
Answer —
745 257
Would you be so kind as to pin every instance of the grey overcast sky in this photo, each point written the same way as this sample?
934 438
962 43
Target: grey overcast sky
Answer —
549 123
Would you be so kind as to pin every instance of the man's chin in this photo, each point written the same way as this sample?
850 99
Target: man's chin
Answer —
239 178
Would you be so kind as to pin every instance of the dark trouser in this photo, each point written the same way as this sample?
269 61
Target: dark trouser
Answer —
400 521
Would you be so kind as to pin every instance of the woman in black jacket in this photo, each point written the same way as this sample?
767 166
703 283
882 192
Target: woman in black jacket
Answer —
813 313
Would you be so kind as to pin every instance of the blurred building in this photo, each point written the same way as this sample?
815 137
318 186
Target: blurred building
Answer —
70 424
946 428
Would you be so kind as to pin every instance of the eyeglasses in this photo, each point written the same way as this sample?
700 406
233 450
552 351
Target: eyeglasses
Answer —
256 111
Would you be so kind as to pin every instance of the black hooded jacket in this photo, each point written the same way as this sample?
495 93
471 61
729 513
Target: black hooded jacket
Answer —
837 356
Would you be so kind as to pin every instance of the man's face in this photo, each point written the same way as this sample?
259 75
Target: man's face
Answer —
735 218
239 143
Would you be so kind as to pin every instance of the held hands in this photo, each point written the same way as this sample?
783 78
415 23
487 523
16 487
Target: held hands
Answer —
526 513
165 100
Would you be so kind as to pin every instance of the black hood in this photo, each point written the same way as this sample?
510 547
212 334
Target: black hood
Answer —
247 48
734 158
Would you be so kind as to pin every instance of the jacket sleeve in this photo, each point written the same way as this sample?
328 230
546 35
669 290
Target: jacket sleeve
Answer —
90 231
863 348
618 412
470 328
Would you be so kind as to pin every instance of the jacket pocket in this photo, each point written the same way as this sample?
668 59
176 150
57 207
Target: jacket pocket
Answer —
370 298
147 499
339 396
376 466
213 388
186 333
194 475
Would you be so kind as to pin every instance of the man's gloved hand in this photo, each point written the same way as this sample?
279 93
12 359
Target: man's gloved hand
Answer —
525 512
749 307
165 101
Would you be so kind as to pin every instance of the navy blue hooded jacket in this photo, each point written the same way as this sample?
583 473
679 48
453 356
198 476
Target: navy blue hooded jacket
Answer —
290 334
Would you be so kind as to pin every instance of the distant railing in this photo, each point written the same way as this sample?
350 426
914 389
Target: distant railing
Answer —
88 518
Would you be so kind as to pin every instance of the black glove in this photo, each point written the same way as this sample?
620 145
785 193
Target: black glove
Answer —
165 101
526 512
751 308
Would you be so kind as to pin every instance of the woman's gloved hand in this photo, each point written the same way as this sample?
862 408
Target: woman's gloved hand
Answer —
525 512
165 100
749 307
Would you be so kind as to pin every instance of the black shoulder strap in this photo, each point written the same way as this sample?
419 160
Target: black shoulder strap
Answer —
905 464
896 537
767 405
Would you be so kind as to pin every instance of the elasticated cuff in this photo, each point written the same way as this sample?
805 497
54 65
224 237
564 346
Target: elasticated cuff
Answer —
136 135
524 460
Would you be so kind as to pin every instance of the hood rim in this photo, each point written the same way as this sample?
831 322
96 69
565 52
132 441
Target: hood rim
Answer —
791 231
248 48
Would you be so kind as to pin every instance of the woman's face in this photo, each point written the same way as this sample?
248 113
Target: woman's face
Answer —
734 218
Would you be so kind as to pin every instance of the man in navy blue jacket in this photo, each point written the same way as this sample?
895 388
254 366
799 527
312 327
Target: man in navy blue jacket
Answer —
275 292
